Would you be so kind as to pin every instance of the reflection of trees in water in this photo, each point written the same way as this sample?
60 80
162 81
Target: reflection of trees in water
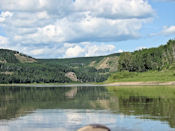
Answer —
17 101
149 108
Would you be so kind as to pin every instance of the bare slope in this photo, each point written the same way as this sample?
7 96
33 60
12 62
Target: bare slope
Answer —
108 62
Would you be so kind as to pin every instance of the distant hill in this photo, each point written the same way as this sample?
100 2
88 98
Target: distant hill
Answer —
109 62
16 67
19 68
9 56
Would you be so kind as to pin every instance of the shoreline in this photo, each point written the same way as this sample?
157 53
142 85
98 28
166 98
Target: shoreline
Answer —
153 83
150 83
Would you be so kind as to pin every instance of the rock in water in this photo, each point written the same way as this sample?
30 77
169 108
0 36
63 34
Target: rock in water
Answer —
94 127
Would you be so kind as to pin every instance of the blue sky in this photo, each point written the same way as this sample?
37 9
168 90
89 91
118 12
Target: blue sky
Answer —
165 16
66 28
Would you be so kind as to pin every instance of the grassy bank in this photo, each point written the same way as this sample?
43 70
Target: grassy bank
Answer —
150 76
158 76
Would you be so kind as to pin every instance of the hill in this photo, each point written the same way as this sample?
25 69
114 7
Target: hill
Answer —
154 64
140 65
9 56
19 68
105 63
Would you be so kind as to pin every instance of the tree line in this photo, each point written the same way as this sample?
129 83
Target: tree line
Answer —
148 59
45 73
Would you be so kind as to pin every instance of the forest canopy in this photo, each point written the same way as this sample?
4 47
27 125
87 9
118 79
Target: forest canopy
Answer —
148 59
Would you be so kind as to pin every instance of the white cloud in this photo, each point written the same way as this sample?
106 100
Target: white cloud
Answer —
43 51
88 49
5 15
51 22
3 40
74 51
78 21
168 30
97 50
115 8
37 52
22 5
67 50
120 51
87 30
42 15
100 8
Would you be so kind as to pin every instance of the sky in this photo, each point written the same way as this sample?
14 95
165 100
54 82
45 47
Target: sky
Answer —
78 28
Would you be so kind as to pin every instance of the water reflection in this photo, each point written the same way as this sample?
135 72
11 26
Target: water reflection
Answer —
63 108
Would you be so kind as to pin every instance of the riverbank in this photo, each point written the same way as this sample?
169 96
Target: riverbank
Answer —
51 85
150 77
153 83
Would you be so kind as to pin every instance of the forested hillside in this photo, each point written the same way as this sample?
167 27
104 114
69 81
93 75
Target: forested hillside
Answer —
148 59
19 68
109 62
146 65
9 56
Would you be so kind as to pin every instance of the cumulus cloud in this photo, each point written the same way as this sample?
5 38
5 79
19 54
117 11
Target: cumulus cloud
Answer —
115 8
102 8
66 50
167 30
74 51
89 49
96 50
51 22
75 21
5 15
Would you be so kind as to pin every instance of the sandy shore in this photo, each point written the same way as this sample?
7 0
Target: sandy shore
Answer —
83 85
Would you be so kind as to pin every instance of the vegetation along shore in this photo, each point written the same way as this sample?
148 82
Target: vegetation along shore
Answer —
153 66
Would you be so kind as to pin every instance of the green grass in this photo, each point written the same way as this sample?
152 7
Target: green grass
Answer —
158 76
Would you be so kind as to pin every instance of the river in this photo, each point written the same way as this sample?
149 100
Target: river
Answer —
121 108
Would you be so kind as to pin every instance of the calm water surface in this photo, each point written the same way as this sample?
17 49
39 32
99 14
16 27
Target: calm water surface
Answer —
69 108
